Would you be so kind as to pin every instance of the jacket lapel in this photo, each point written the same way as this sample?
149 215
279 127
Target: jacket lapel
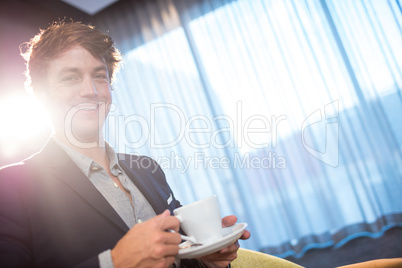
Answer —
63 168
150 185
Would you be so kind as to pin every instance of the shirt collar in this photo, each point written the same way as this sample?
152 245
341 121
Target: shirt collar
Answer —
85 163
113 162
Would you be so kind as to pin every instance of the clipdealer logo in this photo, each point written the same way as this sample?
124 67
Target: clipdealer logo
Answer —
254 133
329 154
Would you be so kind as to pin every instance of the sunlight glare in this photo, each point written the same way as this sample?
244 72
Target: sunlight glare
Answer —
22 119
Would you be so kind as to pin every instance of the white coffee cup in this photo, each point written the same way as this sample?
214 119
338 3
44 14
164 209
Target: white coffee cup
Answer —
201 220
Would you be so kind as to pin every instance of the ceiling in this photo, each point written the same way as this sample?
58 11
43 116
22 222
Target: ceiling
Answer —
90 7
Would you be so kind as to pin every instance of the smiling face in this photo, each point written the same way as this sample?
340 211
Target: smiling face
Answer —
78 95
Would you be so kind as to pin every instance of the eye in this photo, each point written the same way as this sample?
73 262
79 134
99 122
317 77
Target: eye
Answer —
100 76
70 79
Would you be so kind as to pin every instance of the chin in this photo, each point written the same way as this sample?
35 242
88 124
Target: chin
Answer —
85 133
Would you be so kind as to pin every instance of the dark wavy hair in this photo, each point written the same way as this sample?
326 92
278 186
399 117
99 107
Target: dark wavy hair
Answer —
59 37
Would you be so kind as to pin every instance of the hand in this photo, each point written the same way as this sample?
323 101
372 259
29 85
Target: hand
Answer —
148 244
225 256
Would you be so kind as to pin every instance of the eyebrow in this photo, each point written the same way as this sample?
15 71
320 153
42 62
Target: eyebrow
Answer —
77 70
68 70
100 68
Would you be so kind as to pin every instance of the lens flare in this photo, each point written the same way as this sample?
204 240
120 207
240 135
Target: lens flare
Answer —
22 120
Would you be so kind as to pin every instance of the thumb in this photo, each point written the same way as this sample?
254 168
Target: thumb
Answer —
165 214
229 221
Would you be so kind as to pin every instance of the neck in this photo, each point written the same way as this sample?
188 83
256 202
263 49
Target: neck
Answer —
94 150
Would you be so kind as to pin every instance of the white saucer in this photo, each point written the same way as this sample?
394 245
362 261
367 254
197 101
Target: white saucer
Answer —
230 235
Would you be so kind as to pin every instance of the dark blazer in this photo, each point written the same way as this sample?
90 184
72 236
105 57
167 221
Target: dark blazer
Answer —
51 215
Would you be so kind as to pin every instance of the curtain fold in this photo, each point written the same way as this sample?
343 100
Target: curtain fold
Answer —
289 111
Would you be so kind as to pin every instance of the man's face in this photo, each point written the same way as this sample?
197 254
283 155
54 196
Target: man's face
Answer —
78 94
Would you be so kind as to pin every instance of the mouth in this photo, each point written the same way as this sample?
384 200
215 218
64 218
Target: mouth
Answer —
88 107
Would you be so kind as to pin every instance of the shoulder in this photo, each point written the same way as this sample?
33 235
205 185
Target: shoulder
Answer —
18 175
10 167
32 162
14 170
13 180
10 175
24 166
24 174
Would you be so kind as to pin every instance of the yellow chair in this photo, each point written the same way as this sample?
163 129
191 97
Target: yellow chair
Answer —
248 258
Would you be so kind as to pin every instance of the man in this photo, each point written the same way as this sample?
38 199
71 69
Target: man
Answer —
76 203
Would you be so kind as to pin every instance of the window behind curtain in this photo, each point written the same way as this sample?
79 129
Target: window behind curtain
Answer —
317 85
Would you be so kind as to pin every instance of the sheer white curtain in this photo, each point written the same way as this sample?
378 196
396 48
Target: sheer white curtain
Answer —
289 111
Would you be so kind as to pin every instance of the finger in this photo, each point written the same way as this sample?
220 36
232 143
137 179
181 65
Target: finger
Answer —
164 214
246 235
166 238
230 249
168 261
171 251
172 238
164 251
170 223
219 260
229 221
228 253
161 216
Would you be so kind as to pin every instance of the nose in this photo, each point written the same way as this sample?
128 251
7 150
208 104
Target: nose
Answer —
88 88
